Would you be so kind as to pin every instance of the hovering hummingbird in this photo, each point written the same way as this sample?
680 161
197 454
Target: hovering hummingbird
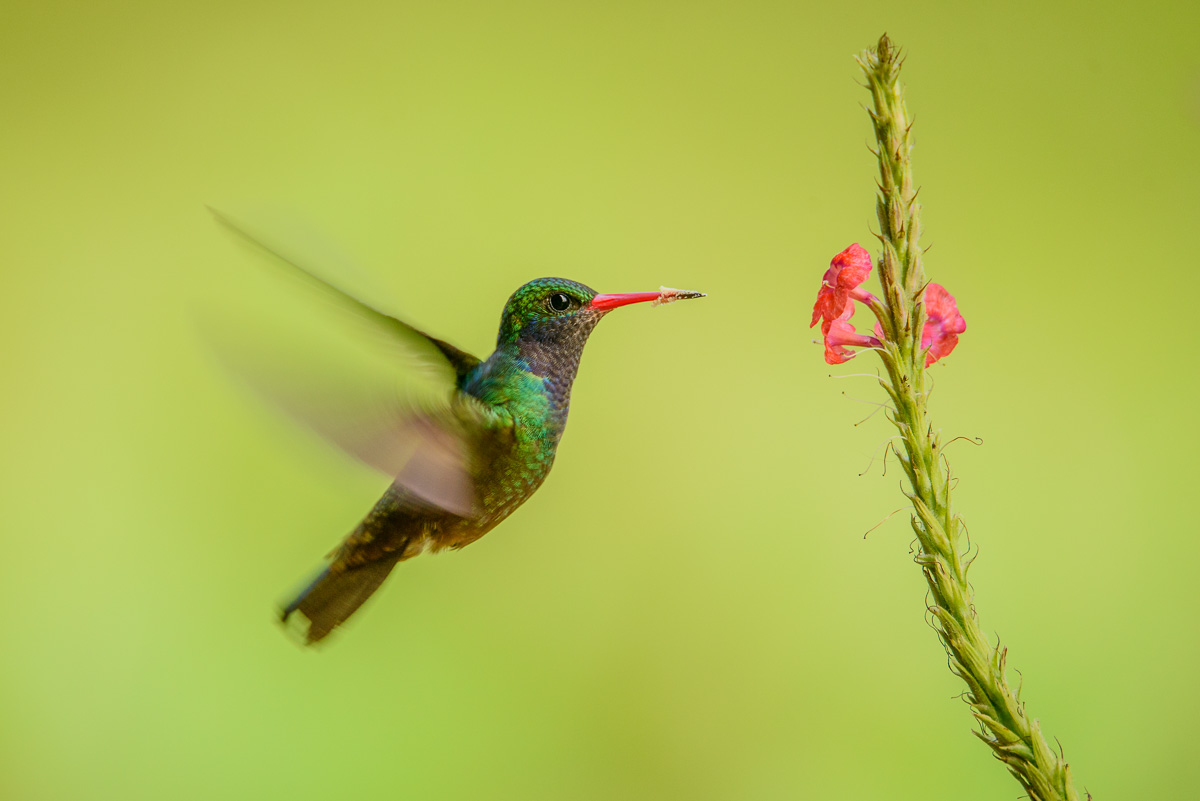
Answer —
463 466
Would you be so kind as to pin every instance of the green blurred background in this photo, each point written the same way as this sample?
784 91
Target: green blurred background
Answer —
688 608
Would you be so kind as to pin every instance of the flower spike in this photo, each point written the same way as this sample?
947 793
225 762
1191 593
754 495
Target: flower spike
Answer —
906 350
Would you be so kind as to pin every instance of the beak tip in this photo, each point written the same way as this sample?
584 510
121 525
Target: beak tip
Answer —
668 294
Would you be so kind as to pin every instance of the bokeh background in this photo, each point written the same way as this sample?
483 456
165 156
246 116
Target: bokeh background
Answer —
688 608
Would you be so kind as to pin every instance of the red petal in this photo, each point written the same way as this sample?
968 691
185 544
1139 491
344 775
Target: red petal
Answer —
837 332
853 265
836 354
824 305
846 271
943 323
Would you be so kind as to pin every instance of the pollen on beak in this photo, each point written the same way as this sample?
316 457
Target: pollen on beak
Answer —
663 296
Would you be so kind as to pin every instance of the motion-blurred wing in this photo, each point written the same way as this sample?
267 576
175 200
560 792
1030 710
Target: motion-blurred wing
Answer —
425 445
397 329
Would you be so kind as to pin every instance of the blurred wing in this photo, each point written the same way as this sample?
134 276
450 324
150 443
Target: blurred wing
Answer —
438 471
393 327
424 446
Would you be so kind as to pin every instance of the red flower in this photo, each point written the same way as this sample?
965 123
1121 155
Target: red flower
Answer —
835 306
840 333
943 323
846 271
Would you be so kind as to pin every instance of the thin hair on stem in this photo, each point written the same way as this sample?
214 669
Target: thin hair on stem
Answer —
887 442
881 522
972 440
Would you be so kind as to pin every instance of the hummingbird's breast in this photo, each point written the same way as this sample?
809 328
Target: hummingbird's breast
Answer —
515 450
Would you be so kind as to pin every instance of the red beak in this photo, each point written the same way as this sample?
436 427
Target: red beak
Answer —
607 302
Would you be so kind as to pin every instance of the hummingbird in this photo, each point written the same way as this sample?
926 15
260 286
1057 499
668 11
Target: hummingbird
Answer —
461 466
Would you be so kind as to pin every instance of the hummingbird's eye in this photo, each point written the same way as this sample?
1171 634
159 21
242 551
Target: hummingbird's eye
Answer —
559 301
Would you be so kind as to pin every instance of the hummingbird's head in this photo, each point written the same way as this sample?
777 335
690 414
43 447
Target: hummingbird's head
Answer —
549 320
553 312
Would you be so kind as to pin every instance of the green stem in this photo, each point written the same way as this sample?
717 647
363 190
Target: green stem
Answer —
1013 736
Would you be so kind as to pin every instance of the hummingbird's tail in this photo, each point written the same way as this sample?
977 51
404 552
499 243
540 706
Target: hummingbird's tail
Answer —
333 596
